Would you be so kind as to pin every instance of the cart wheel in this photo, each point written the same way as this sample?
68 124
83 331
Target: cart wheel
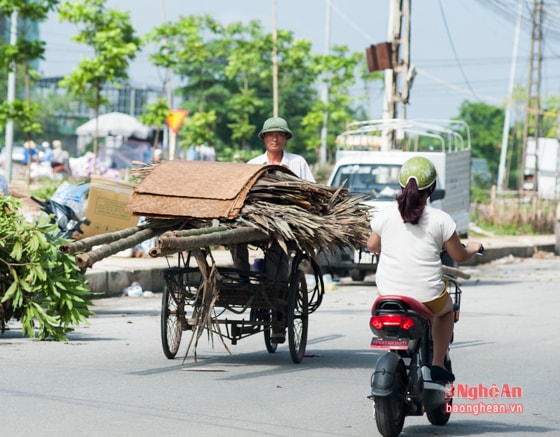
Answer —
263 315
310 267
172 311
298 316
270 347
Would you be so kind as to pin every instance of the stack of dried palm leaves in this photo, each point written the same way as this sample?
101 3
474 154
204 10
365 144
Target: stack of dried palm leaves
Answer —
278 207
312 216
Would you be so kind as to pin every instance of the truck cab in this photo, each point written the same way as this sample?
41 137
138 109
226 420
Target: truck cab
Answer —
368 164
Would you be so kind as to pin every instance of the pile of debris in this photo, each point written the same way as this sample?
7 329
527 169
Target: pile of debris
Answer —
195 204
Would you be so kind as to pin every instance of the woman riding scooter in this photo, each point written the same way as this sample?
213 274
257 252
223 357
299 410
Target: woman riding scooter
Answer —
409 237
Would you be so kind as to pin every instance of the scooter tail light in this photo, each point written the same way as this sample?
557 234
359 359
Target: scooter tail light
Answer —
407 323
391 320
376 322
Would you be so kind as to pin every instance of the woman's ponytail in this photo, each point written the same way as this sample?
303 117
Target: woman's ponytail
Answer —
411 205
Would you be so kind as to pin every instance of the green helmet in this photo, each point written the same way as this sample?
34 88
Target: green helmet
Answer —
420 169
275 124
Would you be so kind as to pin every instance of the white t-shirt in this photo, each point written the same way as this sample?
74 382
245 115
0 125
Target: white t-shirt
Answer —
294 162
410 263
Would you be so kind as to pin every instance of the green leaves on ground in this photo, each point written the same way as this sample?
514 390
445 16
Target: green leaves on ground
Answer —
39 285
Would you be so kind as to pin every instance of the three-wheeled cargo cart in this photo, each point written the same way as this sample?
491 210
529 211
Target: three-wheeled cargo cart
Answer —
244 303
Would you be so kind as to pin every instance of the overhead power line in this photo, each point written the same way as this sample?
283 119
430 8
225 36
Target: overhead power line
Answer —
455 51
508 10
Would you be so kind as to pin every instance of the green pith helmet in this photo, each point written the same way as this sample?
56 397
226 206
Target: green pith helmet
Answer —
275 124
420 169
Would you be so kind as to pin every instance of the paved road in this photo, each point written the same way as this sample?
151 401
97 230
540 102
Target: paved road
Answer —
112 379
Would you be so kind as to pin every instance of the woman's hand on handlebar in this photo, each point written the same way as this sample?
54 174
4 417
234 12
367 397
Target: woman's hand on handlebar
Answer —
474 248
459 251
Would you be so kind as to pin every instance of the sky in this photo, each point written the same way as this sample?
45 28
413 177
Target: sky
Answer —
462 49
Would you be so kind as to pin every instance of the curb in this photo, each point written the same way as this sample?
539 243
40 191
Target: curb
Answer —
492 254
111 276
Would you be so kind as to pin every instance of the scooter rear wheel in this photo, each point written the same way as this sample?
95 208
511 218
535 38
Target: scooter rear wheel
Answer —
390 410
439 416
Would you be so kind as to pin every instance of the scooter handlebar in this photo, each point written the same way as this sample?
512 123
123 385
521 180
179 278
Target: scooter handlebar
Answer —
452 271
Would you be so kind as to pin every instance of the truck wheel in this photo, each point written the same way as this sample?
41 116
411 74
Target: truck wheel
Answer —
357 275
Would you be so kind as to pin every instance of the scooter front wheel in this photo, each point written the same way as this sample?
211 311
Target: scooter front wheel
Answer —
390 410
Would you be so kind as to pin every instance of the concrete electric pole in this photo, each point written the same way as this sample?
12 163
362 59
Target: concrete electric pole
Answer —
398 79
529 165
393 57
502 173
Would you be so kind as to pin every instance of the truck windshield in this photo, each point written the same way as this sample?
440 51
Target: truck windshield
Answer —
376 180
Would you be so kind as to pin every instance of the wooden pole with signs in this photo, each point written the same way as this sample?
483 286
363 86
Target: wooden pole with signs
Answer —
174 121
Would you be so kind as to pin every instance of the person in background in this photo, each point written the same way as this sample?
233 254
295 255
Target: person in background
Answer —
60 156
275 133
157 156
409 236
30 153
48 154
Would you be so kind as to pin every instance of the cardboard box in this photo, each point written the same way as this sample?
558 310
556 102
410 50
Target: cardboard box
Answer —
106 206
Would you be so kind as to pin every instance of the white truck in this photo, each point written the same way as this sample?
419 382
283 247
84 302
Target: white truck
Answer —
368 159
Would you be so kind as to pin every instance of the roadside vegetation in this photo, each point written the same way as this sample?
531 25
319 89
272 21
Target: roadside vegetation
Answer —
39 285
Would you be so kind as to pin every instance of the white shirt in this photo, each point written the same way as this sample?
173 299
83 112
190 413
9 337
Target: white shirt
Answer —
294 162
410 263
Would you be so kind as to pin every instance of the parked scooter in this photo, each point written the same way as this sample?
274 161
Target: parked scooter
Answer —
69 224
401 384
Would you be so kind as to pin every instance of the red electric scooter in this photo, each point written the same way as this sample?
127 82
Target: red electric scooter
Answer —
401 384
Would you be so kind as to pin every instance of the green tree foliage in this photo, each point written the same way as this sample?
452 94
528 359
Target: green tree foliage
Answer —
244 69
198 129
226 82
113 40
20 55
39 285
486 124
155 114
549 118
24 113
337 72
182 50
52 105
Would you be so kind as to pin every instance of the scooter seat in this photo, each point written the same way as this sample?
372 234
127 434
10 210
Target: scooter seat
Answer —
411 303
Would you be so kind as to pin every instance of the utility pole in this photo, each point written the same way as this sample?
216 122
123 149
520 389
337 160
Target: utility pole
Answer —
168 87
169 137
325 94
275 60
10 99
502 180
529 158
399 73
398 79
